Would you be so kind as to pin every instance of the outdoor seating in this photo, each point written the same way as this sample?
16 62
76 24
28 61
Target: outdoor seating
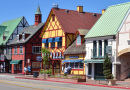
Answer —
100 78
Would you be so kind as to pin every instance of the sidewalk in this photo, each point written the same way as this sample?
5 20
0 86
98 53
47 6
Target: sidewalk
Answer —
120 84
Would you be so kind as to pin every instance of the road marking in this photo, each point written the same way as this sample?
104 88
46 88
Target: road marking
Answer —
22 86
36 85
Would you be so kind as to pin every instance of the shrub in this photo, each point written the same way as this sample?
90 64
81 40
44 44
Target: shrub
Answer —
65 74
78 77
49 71
41 71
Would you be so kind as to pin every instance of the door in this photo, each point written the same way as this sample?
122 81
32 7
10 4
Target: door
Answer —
99 69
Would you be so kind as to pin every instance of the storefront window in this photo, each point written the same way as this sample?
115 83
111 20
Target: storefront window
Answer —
36 65
20 66
81 65
76 64
90 68
15 66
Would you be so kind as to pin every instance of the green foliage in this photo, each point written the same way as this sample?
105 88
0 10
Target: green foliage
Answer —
41 71
46 56
65 74
107 68
49 71
77 77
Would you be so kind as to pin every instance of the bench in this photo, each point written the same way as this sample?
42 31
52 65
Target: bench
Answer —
100 78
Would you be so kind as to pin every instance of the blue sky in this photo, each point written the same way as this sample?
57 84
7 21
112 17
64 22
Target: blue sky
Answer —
11 9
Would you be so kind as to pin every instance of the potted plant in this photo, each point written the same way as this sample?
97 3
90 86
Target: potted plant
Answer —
107 71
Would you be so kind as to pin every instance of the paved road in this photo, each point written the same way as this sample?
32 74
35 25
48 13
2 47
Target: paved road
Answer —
11 83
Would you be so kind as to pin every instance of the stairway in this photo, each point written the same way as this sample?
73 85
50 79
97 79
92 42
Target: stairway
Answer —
128 79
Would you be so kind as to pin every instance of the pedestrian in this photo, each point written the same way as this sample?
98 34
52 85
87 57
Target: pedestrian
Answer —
65 70
25 70
69 69
1 67
29 70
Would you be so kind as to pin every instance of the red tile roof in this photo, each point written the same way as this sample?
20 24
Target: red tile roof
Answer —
73 20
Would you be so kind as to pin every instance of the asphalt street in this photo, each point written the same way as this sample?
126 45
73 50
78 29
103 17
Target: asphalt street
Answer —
12 83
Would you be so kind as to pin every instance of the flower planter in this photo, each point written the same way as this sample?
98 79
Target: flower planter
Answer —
111 82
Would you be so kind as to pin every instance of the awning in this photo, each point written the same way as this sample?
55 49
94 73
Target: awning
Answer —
16 62
51 40
44 40
93 61
78 60
58 39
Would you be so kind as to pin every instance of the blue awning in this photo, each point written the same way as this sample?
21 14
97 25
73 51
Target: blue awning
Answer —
58 39
76 60
51 40
44 40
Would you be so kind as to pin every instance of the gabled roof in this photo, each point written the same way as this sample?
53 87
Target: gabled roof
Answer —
38 10
31 30
71 20
110 21
9 27
83 31
73 49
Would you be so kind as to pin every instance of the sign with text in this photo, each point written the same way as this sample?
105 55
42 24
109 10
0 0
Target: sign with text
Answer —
74 56
39 58
28 60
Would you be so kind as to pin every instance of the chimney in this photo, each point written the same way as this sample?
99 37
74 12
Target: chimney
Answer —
80 9
103 11
38 16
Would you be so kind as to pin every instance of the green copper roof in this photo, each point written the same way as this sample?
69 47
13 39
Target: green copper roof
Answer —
2 29
38 10
8 28
110 21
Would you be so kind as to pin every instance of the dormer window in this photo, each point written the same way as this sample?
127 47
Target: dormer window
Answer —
78 40
23 36
53 17
18 37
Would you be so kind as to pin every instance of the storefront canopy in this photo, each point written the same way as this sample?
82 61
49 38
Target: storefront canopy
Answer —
58 39
51 40
76 60
16 62
44 40
93 61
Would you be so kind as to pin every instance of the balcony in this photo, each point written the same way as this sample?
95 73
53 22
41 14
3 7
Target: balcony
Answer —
101 53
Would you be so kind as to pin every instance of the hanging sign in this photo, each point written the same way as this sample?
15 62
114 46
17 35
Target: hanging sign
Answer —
39 58
2 57
28 60
74 56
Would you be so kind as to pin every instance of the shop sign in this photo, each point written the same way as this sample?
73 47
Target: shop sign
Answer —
2 57
74 56
39 58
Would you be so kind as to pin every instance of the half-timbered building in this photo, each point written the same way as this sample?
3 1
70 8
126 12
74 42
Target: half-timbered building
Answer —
59 32
26 47
8 31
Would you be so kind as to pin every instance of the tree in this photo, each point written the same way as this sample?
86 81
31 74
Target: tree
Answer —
46 53
107 68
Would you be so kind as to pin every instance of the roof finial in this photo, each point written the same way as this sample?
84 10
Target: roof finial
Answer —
55 5
38 10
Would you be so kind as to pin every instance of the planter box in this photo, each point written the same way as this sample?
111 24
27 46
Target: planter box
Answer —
111 82
66 79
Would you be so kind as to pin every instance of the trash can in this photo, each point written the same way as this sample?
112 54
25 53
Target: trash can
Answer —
35 74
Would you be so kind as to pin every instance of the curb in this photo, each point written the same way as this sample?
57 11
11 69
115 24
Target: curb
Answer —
77 83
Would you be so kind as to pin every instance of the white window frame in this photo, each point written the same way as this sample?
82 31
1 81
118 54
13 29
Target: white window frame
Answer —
74 65
20 49
10 50
20 66
35 51
15 49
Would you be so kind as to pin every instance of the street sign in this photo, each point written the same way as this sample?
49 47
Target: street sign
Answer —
39 58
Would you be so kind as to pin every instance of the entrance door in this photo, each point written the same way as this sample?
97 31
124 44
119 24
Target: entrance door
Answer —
99 69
